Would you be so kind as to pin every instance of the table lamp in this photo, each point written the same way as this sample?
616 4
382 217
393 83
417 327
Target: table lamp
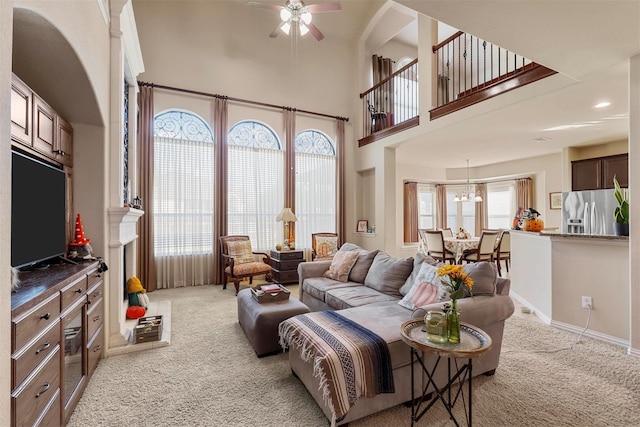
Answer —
287 216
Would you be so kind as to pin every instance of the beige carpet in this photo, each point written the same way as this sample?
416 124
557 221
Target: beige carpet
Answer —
209 376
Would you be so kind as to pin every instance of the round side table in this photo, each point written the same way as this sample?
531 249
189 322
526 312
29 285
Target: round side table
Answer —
474 342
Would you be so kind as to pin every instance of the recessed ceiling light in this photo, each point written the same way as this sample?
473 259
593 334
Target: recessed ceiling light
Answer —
542 139
602 104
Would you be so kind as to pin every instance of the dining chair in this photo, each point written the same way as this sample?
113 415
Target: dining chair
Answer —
503 251
447 232
435 245
239 261
485 250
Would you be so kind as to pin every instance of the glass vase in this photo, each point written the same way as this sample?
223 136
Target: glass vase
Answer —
453 323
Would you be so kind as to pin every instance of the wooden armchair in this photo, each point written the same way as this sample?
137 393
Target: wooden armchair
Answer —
240 262
324 246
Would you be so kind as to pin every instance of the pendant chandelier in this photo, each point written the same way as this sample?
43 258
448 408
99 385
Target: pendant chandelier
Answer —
466 195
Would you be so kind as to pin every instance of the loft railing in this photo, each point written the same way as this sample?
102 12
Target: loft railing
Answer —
469 70
391 105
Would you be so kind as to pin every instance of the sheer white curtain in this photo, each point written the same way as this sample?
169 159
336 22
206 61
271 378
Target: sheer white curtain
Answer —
255 194
183 212
315 196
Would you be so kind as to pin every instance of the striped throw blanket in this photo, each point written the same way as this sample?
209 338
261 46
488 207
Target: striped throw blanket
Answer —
349 360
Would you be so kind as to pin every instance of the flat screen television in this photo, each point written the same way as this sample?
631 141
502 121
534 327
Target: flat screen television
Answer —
38 205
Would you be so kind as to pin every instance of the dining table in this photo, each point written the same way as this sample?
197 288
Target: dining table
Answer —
458 246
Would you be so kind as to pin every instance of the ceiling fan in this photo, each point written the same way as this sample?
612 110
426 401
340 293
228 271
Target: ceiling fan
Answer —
297 16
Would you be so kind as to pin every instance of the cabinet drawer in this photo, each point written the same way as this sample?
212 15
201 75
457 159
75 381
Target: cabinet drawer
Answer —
95 317
72 292
26 360
285 265
286 255
51 416
32 322
28 402
285 276
95 293
94 350
93 277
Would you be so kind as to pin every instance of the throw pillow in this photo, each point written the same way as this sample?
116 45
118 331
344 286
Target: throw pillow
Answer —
485 277
341 265
387 274
326 246
240 251
425 289
417 263
363 264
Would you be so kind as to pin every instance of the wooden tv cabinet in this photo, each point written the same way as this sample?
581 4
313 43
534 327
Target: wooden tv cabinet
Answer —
57 338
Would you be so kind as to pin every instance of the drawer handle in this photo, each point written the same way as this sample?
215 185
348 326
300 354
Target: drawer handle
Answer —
78 291
44 347
46 316
97 294
88 302
97 348
45 387
95 319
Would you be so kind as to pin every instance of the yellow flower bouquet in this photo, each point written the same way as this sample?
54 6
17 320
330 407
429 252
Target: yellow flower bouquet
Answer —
457 281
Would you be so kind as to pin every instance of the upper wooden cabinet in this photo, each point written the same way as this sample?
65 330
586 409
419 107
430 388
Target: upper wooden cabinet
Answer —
598 173
20 112
37 126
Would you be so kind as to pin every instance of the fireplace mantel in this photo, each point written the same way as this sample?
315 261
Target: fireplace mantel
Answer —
122 225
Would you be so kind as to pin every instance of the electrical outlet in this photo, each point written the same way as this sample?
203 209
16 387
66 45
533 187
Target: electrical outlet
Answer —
587 302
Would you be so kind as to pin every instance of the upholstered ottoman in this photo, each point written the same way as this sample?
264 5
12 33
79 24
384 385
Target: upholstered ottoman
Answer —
260 320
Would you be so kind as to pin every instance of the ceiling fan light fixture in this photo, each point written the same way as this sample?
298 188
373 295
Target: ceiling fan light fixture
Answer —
285 14
286 28
303 29
306 17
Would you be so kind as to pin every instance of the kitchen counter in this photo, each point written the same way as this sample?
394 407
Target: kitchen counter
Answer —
550 272
574 236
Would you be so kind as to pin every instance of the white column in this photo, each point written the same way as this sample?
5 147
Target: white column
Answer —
634 198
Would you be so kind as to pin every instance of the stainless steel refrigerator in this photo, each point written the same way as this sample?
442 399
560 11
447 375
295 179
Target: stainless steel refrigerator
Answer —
588 212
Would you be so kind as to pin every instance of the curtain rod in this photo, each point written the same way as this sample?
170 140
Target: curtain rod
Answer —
489 181
245 101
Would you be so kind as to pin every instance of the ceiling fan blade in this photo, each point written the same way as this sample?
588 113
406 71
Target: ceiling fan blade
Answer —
324 7
315 32
275 31
265 5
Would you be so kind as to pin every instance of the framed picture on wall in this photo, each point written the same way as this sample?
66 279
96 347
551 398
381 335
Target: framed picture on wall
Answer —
362 226
555 200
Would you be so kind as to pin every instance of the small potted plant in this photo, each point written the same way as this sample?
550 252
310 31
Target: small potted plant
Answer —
621 212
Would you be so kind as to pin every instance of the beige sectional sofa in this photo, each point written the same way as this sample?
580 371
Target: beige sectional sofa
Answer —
370 296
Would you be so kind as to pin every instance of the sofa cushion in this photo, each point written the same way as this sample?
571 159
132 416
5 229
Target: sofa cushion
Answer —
417 263
318 286
341 265
388 274
354 296
485 277
425 290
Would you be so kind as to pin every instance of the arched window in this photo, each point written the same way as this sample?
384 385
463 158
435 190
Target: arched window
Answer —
255 186
315 185
183 199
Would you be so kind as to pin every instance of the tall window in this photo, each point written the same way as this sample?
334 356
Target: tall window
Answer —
183 199
460 214
255 183
501 204
315 186
426 207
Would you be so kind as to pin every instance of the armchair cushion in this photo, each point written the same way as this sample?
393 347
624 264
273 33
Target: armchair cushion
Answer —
240 251
249 268
326 246
341 265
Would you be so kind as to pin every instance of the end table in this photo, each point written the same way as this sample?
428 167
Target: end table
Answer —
474 342
284 265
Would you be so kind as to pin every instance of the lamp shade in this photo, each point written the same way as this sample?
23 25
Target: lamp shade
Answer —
286 215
